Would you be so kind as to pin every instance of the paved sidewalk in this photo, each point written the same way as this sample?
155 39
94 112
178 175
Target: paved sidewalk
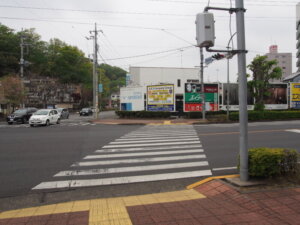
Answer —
212 203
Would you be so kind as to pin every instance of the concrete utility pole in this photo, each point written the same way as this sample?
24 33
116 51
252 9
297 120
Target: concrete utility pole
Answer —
95 75
240 27
22 63
202 83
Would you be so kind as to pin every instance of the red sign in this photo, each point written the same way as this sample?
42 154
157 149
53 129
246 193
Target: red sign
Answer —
195 107
210 89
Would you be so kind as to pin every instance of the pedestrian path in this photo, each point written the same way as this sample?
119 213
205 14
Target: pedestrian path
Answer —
56 125
150 153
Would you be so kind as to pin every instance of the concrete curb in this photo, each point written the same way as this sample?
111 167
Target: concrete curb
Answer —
191 186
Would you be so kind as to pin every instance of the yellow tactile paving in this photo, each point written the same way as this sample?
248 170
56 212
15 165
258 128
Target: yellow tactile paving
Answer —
109 211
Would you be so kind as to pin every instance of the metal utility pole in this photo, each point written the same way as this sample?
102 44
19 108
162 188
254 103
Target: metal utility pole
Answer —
95 75
241 46
202 83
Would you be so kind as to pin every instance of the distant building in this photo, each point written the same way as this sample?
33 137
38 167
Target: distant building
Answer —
298 36
284 62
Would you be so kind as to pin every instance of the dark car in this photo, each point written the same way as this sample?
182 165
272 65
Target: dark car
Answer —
86 112
20 115
63 113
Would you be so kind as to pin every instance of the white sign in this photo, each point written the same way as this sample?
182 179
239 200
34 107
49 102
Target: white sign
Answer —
132 98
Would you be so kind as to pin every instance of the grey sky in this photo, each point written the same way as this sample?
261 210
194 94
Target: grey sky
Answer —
267 22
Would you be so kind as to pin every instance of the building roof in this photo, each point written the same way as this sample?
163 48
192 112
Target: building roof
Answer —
292 76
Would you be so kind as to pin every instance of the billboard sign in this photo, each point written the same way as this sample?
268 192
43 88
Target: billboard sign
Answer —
193 100
233 89
277 97
160 98
295 95
132 98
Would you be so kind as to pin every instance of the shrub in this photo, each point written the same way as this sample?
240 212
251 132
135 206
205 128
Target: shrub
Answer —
142 114
270 162
267 115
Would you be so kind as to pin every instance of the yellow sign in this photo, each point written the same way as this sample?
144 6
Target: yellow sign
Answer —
160 95
295 95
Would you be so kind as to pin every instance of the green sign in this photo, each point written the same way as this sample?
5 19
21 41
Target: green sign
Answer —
197 98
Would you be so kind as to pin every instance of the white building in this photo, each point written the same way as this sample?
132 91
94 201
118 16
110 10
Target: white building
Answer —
284 61
141 77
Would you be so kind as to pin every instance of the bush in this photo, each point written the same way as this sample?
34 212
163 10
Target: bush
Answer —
142 114
267 115
270 162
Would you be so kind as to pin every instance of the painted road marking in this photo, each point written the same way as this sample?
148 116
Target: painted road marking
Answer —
130 169
142 154
152 144
224 168
149 141
149 148
138 160
120 180
293 130
156 138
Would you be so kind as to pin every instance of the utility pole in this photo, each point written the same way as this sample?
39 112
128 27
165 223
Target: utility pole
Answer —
22 63
202 83
95 75
241 46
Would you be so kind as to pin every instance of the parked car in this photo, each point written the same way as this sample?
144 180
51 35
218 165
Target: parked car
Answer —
86 112
44 117
20 115
63 113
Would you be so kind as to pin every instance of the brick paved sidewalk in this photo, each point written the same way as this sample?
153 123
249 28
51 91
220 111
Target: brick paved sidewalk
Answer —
212 203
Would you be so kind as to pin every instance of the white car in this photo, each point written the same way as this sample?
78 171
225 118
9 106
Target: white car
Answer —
44 117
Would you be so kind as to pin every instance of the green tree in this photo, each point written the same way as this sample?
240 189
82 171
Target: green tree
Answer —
263 70
9 51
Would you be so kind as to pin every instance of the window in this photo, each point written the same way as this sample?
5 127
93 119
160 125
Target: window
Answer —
178 83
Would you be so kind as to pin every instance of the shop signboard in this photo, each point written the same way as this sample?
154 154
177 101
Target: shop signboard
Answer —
193 97
295 95
160 98
132 98
277 96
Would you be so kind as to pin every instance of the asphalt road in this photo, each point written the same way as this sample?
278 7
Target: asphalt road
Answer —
30 156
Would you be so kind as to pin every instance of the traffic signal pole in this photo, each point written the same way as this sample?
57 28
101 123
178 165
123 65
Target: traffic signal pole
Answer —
241 46
202 83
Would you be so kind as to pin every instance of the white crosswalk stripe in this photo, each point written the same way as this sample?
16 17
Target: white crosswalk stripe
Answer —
150 153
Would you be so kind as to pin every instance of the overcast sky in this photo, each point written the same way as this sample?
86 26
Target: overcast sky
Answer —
133 28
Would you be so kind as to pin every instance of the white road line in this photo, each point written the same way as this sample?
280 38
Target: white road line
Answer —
142 154
139 160
152 144
149 141
158 137
224 168
84 124
129 169
120 180
293 130
143 133
148 148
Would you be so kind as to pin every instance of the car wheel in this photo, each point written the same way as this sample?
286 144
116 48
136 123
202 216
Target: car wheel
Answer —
67 116
9 123
58 121
47 123
31 125
24 120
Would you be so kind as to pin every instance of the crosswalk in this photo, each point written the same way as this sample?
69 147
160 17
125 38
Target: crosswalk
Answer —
56 125
150 153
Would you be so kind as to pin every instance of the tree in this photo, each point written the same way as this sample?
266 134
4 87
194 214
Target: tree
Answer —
13 92
263 70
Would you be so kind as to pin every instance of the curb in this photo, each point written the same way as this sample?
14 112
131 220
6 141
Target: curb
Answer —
191 186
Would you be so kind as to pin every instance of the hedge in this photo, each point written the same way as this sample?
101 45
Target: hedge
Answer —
267 115
149 114
142 114
270 162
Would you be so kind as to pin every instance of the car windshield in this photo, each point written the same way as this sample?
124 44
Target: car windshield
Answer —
85 109
20 111
41 112
59 110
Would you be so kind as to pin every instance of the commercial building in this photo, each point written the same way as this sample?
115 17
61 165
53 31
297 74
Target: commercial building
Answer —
298 36
284 62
